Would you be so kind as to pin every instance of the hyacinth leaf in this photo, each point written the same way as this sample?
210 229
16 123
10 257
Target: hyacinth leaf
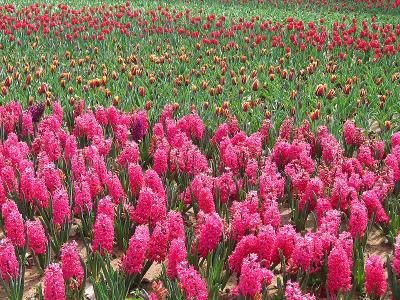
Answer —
358 267
122 227
391 229
117 284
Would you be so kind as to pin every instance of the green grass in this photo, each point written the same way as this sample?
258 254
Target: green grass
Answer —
276 98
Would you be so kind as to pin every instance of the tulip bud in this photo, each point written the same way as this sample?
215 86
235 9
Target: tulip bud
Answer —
255 85
142 91
331 94
148 105
320 90
272 77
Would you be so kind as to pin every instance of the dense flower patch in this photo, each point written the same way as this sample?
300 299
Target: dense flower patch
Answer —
206 211
220 151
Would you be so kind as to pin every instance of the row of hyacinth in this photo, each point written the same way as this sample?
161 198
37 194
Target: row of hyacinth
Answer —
206 205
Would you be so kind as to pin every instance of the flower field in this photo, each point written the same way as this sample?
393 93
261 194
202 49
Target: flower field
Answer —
200 150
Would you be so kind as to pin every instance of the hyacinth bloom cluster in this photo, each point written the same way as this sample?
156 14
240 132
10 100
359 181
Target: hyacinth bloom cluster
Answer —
339 271
61 209
133 260
375 278
13 223
158 243
177 254
103 234
209 232
192 283
252 276
37 240
9 266
71 263
54 283
358 219
293 292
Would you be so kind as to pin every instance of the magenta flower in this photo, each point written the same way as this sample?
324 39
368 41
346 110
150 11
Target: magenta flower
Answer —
54 283
373 205
177 254
352 134
263 245
271 214
339 271
157 248
192 125
395 139
130 154
9 265
106 206
37 240
365 155
71 263
346 242
375 278
175 226
206 200
101 115
313 191
13 223
149 208
209 229
57 111
244 216
358 219
226 186
271 182
248 244
70 147
160 160
293 292
308 252
135 174
61 208
342 194
115 189
27 124
330 222
82 197
252 276
103 234
286 238
132 262
323 206
152 180
349 130
251 171
192 283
